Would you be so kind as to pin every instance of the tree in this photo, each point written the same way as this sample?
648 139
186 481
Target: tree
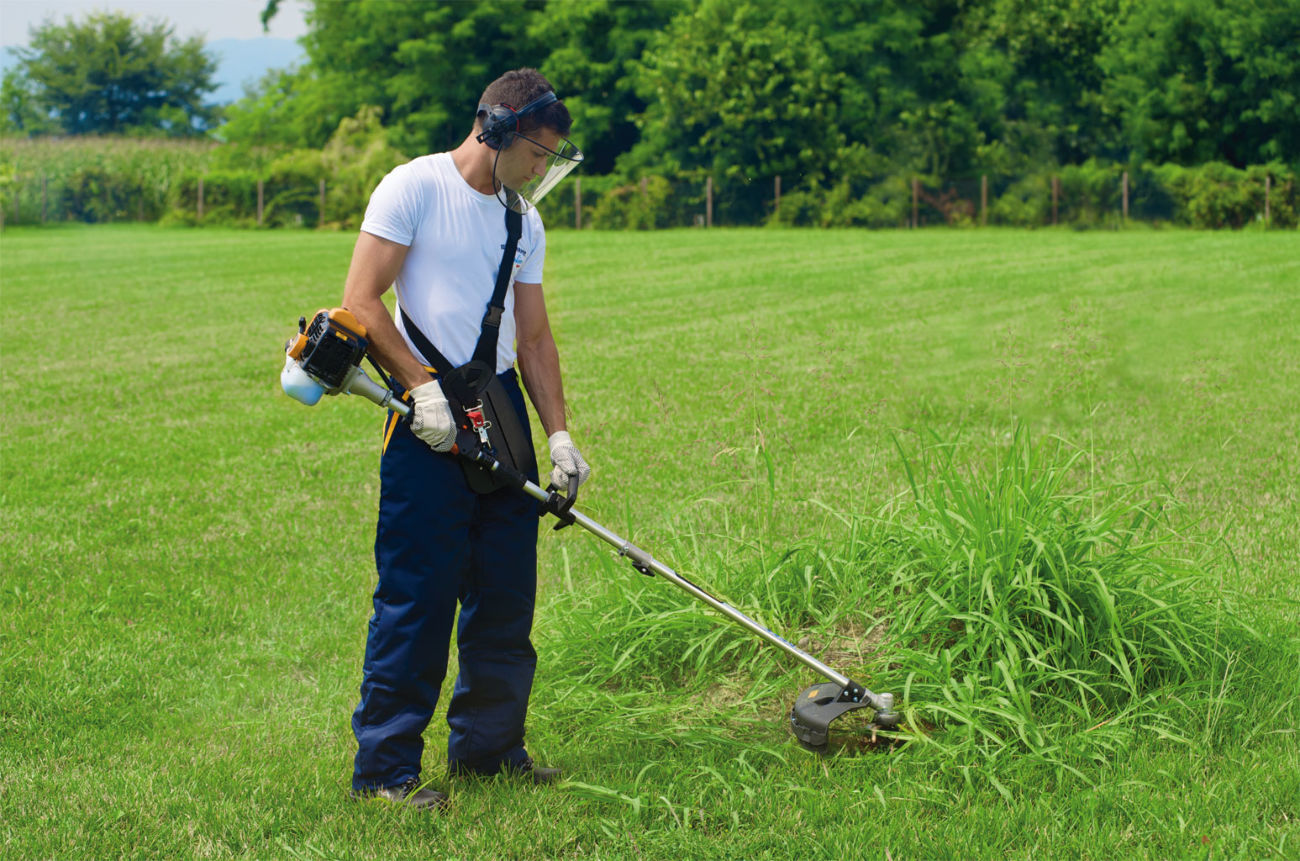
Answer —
423 64
18 111
108 74
851 90
735 93
592 45
1042 62
1204 80
918 92
286 108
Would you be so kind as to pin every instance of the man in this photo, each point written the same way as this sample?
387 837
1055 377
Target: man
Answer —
436 227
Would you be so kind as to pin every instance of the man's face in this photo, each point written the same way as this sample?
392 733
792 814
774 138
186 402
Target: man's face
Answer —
525 159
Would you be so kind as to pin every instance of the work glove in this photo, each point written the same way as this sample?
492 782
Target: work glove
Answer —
431 418
566 460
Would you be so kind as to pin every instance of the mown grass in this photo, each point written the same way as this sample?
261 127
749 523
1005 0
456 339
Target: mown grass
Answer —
852 436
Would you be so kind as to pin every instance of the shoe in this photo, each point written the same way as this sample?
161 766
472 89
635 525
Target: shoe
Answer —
408 793
537 774
525 770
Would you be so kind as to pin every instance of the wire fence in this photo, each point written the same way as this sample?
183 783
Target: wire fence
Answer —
223 199
1214 196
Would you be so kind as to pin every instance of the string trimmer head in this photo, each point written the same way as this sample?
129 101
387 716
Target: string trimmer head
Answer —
817 706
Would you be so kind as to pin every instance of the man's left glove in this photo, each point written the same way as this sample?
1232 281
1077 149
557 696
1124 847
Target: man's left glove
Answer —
431 418
566 460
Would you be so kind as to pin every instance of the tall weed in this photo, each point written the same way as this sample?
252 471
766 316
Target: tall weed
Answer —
1018 608
1031 617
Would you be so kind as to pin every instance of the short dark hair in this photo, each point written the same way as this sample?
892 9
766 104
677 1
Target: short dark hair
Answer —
517 89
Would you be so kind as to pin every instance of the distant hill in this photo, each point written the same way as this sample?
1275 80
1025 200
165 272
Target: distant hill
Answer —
245 61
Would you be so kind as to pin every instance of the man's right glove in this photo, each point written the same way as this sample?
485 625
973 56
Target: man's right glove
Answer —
566 460
431 418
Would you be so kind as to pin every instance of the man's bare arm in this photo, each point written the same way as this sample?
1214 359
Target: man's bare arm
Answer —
375 265
539 360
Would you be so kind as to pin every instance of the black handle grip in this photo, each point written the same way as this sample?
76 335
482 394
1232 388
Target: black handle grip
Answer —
560 505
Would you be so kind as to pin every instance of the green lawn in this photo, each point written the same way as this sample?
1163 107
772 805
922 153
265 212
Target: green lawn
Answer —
186 553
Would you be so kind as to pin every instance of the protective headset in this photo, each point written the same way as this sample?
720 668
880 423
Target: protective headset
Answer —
502 121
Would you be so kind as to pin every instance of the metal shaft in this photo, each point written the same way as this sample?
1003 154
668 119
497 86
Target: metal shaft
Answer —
360 384
643 559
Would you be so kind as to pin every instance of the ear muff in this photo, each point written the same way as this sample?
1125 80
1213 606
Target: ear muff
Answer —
501 122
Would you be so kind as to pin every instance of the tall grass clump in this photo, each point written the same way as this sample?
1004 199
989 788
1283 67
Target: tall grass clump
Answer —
1027 613
624 631
1030 617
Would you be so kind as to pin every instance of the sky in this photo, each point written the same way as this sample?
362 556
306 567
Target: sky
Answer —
215 19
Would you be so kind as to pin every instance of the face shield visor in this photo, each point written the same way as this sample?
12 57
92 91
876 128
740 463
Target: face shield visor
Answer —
559 162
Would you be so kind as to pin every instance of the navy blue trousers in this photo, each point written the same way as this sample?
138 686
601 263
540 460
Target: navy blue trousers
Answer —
439 545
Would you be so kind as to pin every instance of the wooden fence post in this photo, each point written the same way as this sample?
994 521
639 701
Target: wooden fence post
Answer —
984 199
45 198
776 206
259 201
577 203
645 184
916 194
1125 199
320 218
200 198
708 202
1268 182
1056 196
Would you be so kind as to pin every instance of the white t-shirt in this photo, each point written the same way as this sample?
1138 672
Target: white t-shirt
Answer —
456 237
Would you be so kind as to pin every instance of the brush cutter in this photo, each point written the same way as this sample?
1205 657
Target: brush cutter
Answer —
325 358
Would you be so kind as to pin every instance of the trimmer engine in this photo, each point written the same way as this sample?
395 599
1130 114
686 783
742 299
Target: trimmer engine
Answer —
329 347
324 358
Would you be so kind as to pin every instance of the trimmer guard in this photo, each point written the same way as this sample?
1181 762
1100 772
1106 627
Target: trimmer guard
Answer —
816 707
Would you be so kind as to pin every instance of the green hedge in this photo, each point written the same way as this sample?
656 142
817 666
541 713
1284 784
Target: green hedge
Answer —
1089 195
99 179
1219 195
